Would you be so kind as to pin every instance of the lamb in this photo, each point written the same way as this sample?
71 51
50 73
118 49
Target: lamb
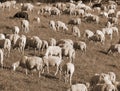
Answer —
6 45
68 69
52 25
52 61
54 50
25 26
29 63
16 30
62 25
114 48
76 31
1 57
78 87
52 42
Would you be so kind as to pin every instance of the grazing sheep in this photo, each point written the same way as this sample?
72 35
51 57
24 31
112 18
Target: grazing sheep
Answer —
52 42
54 50
16 30
101 36
89 34
6 45
1 57
55 11
34 42
44 44
108 31
52 25
114 48
29 63
2 36
62 25
80 45
21 14
78 87
76 31
52 61
25 26
27 7
76 21
68 70
20 43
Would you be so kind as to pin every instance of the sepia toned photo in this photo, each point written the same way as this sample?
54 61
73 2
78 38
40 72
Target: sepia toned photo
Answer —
59 45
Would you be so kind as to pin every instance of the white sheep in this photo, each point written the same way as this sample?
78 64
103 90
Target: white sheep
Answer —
16 30
1 57
52 42
88 33
76 31
25 26
108 31
27 7
81 45
55 11
68 70
78 87
6 45
52 61
52 25
101 35
44 44
54 50
75 21
29 63
60 24
115 29
112 76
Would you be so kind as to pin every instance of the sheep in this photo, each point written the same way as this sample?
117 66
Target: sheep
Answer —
118 14
2 36
27 7
13 38
25 26
108 31
55 11
16 30
45 9
80 45
1 57
76 31
29 63
37 19
6 4
20 43
6 45
88 33
52 61
114 48
21 14
34 42
44 44
52 25
78 87
115 29
68 70
113 20
52 42
112 76
60 24
54 50
101 35
76 21
111 12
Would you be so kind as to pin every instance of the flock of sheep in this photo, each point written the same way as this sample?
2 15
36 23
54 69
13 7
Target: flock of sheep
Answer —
56 50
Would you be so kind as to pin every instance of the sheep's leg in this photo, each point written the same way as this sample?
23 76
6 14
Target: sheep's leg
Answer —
70 77
1 64
48 69
56 70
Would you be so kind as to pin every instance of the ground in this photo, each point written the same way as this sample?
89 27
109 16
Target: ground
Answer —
86 65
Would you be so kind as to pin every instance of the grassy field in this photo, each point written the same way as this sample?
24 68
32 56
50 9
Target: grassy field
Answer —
86 65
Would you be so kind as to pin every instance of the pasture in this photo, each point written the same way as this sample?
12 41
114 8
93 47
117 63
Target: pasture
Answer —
93 61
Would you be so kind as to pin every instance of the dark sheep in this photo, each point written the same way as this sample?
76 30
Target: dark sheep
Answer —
21 15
